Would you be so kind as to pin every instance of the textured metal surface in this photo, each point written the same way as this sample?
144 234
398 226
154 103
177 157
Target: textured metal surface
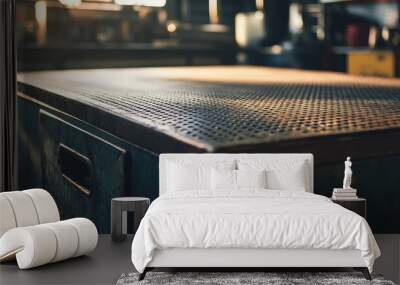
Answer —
231 106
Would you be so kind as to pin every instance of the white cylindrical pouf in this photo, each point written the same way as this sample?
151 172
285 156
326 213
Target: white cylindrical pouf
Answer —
87 234
37 245
67 240
23 208
34 246
45 205
7 218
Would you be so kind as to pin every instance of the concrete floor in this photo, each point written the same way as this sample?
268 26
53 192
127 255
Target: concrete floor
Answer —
103 266
110 260
389 263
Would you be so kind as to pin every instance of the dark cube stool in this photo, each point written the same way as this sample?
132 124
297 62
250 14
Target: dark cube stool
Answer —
119 208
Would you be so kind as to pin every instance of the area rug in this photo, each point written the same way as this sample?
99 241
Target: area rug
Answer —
244 278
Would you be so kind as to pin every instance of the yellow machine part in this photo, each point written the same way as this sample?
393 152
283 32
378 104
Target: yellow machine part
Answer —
371 63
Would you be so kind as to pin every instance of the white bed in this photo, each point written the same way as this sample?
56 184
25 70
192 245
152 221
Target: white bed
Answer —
280 225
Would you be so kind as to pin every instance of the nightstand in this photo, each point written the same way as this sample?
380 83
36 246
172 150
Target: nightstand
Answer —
119 208
358 205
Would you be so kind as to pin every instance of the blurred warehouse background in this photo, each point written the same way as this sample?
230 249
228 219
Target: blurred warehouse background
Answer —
358 37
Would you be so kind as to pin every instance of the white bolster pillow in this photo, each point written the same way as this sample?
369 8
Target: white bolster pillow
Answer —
40 244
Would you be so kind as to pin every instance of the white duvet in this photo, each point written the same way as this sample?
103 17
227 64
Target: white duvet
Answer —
250 219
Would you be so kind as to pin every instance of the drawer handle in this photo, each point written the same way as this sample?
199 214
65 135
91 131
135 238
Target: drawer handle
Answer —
76 169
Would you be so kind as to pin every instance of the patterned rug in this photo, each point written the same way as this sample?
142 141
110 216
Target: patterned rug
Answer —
243 278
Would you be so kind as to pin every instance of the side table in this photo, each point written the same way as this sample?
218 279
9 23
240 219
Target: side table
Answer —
119 208
357 205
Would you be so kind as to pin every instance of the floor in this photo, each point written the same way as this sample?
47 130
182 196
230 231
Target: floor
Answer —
389 262
110 260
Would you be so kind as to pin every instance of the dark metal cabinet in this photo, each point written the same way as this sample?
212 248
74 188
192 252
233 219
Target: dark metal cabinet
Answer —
83 172
82 166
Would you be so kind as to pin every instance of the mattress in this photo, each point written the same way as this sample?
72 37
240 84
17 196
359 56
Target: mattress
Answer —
262 219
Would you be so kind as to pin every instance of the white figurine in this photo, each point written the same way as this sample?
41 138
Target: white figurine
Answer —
347 174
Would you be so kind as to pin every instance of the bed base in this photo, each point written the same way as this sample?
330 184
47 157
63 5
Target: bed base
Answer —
363 270
242 259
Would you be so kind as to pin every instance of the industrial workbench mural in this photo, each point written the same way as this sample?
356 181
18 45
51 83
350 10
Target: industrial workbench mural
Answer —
90 135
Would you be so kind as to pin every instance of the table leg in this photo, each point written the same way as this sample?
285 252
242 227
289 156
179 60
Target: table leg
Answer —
118 222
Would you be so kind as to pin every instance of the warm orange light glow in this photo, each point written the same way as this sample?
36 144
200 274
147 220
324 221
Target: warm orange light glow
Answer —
259 15
385 33
373 32
98 6
260 4
249 28
70 3
213 11
41 18
263 75
148 3
276 49
41 12
171 27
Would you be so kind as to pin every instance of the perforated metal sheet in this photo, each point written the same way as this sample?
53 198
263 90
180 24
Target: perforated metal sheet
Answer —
229 106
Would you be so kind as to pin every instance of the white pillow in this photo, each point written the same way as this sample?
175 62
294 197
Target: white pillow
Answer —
251 178
181 178
225 179
281 174
185 175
